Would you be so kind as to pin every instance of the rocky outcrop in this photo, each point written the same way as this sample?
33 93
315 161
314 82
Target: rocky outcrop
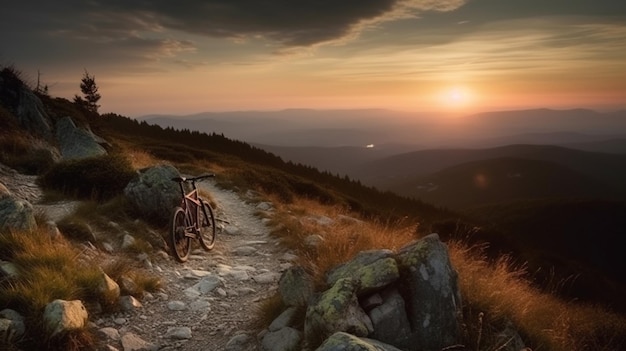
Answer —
77 143
381 300
296 287
434 307
24 104
50 137
372 269
15 213
153 193
347 342
336 309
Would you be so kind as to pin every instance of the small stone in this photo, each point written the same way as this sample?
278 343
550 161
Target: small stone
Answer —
244 251
200 306
238 342
128 241
192 292
108 247
264 206
110 333
246 291
267 278
208 284
132 342
129 303
178 333
176 306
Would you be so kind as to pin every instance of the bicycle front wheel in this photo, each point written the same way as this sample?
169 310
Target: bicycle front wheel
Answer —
207 227
179 241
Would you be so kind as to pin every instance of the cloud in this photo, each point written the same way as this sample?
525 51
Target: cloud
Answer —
286 22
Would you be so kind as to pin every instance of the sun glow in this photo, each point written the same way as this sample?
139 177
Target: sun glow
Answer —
456 98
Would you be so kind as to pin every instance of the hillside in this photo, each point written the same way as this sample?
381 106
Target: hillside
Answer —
386 173
502 179
579 239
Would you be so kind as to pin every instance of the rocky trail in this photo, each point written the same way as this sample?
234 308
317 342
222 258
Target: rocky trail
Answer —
209 302
206 303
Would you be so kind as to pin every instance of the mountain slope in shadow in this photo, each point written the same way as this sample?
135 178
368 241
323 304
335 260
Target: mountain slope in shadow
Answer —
390 172
502 179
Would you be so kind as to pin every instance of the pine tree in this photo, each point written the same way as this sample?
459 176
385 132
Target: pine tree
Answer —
90 90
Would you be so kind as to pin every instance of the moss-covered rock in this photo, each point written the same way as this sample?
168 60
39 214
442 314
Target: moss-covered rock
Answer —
346 342
372 269
337 309
429 286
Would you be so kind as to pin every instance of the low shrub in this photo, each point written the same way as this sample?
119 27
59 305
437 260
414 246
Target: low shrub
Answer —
97 178
21 152
75 229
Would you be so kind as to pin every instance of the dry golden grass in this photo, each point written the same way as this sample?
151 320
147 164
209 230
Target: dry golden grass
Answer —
341 240
139 158
497 291
501 292
52 269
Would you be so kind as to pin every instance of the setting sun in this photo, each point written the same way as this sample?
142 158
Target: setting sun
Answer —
456 97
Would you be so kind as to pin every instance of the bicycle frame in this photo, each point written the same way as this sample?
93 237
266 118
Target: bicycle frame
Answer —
192 219
190 203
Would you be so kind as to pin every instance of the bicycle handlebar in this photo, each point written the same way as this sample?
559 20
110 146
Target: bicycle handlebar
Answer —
194 179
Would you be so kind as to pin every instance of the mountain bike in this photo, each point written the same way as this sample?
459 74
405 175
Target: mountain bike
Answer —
192 219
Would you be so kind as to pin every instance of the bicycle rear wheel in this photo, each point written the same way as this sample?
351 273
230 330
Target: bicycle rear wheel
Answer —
207 227
180 243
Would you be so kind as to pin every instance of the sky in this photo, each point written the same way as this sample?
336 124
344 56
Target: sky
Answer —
190 56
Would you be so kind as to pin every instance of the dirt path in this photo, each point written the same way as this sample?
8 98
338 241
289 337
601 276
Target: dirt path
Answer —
209 302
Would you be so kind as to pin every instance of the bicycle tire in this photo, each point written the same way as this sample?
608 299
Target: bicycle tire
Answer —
207 227
180 243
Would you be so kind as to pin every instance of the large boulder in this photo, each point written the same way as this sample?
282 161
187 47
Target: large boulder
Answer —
16 214
408 300
346 342
285 339
77 143
391 324
153 193
373 270
296 286
24 104
61 316
336 309
430 288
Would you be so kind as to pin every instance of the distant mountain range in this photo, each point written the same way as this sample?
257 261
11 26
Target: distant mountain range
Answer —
523 154
333 128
